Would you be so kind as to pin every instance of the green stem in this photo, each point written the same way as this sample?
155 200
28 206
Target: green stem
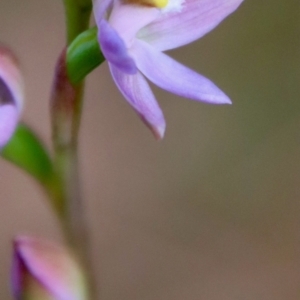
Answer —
78 14
66 110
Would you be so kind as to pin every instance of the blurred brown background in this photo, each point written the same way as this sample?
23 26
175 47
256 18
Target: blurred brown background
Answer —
212 212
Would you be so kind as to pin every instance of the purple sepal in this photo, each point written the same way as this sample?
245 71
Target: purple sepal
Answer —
138 94
114 49
174 77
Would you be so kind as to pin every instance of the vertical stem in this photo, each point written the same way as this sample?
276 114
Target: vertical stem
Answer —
66 107
77 17
65 115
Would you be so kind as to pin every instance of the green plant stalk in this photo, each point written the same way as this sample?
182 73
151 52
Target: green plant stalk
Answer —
78 14
66 106
66 110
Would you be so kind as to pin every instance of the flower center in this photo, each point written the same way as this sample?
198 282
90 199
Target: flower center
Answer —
173 6
150 3
165 6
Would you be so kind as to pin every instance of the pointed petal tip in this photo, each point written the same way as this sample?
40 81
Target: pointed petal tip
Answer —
174 77
137 92
158 129
159 132
222 100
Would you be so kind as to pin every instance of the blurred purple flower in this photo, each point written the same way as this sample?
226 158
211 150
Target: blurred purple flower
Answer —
11 94
133 36
43 270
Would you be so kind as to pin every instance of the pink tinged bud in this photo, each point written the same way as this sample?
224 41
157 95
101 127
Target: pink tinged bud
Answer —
11 94
42 270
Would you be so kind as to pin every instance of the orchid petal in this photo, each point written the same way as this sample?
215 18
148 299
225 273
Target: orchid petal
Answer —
174 77
196 18
139 95
100 7
11 95
114 49
127 20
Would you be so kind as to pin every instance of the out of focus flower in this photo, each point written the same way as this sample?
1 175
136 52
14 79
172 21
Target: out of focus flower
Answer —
133 35
11 95
45 271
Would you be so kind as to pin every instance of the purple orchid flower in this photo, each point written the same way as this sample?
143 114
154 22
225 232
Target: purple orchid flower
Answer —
44 270
11 95
133 35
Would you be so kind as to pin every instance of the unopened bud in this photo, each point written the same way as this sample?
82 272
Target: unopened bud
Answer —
42 270
11 94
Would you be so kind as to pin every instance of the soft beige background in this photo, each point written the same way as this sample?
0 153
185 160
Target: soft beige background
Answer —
212 212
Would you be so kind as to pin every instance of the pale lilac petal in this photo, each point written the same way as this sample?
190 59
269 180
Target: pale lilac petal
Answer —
100 7
174 77
139 95
50 265
197 18
127 20
114 49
